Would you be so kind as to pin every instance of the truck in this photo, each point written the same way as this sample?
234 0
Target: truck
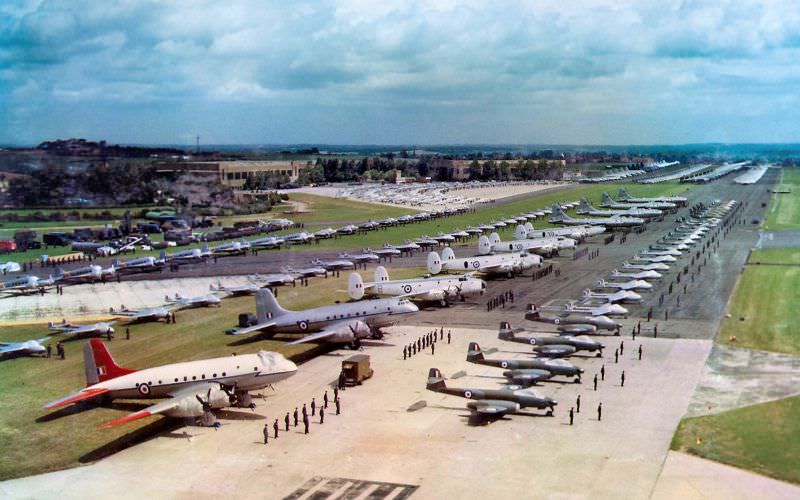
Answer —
356 369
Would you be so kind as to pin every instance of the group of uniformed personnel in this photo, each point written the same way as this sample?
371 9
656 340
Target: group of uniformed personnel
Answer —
306 417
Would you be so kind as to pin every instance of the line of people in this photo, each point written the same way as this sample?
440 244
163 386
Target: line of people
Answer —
428 340
306 417
500 300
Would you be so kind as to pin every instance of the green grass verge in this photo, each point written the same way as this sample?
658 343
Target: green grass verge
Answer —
763 438
31 447
762 310
784 210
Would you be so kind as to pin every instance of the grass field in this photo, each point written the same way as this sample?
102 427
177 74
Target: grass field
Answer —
784 211
763 438
762 309
30 446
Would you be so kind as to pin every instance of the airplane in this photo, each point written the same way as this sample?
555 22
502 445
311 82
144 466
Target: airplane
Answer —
473 230
671 251
424 289
267 242
506 264
142 315
426 242
10 267
637 284
345 323
231 248
281 223
369 225
578 233
387 252
305 272
193 389
26 284
498 224
191 255
600 310
274 279
360 258
655 266
681 247
407 246
141 264
618 296
525 371
492 403
571 324
642 275
554 347
348 229
101 328
248 289
626 197
460 234
179 302
389 221
325 233
559 217
26 348
301 237
586 208
334 265
654 258
443 238
540 246
607 201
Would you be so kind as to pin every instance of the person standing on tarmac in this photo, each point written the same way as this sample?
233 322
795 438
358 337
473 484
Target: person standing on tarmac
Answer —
266 433
276 427
321 414
286 421
295 416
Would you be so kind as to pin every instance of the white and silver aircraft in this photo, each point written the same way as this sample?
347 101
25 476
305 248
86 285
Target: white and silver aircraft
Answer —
431 289
10 267
26 284
618 296
507 264
191 255
297 238
231 248
326 233
637 284
348 229
601 310
670 251
238 290
540 246
102 328
142 315
407 246
386 252
26 348
192 389
654 266
141 264
560 217
641 275
626 197
345 323
607 201
266 243
586 208
360 258
305 272
578 233
654 258
85 274
179 302
273 279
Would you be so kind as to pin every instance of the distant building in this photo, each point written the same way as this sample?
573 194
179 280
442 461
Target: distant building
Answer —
235 173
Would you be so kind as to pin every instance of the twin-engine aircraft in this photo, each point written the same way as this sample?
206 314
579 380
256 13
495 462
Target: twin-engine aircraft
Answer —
433 289
194 388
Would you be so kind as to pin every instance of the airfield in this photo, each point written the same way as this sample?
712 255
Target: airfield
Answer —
394 439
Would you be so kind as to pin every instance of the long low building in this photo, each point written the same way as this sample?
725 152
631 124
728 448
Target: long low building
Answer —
234 173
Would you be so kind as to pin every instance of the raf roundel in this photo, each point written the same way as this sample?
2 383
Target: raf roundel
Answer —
144 389
504 364
476 264
407 288
532 341
467 394
303 325
557 321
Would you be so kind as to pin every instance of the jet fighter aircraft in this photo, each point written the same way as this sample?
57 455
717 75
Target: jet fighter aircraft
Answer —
526 372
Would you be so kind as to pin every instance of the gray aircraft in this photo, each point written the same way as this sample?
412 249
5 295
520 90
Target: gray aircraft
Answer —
142 315
298 238
186 256
607 201
334 265
179 302
340 323
560 217
274 279
360 258
72 331
267 242
26 284
141 264
553 347
492 403
325 233
348 229
572 323
626 197
26 348
407 246
641 275
586 208
387 252
235 291
306 272
526 372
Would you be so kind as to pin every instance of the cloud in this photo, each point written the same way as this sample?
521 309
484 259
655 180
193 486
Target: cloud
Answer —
399 71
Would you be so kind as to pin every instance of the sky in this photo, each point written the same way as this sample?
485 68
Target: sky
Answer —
400 72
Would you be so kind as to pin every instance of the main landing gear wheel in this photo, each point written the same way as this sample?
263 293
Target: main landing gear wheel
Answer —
598 355
549 412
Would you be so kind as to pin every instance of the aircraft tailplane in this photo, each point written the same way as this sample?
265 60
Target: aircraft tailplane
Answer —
99 365
267 306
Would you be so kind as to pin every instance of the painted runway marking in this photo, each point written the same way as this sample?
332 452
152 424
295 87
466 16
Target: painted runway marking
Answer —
319 488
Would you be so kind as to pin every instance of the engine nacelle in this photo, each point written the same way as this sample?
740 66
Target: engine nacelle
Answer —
347 333
191 407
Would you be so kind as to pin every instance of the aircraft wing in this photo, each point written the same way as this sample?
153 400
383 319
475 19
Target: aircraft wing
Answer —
557 350
83 395
175 399
330 330
491 410
9 347
251 329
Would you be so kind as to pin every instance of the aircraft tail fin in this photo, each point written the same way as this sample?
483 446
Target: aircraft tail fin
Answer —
435 380
448 254
606 200
623 194
528 228
484 245
505 332
585 206
355 286
474 352
434 263
558 214
267 306
381 274
99 365
494 238
520 233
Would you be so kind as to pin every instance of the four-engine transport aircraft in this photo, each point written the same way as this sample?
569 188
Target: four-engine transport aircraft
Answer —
507 264
571 323
344 323
27 348
560 217
492 403
194 388
72 331
433 289
526 372
551 346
